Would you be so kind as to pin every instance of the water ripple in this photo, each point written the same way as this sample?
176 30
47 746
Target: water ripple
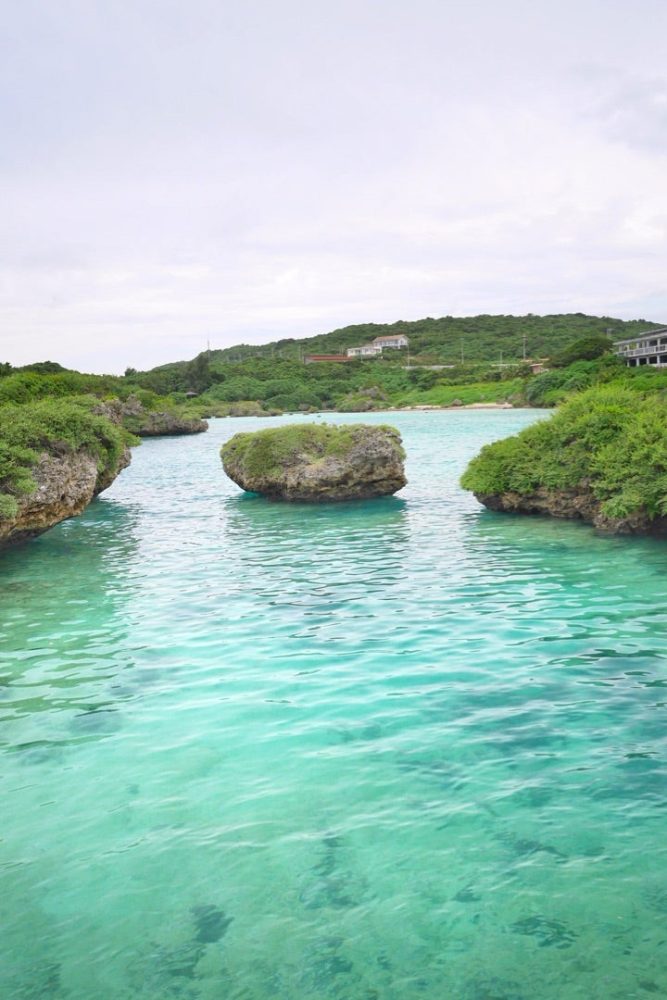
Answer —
394 749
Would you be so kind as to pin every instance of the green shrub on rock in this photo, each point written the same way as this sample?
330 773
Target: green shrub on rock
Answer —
317 462
54 426
605 449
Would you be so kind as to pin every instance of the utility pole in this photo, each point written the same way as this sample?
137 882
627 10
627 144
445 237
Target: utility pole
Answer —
524 347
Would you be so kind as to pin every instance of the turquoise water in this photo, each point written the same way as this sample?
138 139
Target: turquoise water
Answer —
388 750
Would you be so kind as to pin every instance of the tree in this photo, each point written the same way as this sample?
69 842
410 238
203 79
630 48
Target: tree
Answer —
584 349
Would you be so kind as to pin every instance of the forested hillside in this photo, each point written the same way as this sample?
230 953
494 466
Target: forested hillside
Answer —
214 385
482 338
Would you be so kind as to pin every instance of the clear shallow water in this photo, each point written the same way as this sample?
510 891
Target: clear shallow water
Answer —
379 751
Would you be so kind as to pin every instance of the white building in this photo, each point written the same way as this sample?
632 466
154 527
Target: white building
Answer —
392 340
365 351
646 349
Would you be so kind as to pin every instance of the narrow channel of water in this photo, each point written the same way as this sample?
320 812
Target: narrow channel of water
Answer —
397 750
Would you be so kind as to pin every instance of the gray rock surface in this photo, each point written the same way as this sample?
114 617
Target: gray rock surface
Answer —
574 504
149 423
66 483
317 462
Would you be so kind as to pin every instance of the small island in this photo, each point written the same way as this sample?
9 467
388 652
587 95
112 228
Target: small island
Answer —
602 458
55 457
317 462
143 421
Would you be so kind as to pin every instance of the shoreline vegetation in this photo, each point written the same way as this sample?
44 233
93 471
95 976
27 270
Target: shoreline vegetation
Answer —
602 459
41 404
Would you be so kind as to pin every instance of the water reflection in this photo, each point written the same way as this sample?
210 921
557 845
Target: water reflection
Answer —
251 512
64 630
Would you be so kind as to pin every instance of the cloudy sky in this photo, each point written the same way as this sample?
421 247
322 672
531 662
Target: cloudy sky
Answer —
177 171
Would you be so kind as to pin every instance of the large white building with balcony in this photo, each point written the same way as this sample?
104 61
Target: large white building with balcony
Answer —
646 349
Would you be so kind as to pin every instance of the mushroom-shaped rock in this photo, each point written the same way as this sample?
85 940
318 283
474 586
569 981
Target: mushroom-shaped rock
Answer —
317 462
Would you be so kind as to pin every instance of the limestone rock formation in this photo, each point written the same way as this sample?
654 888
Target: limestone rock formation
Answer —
66 483
317 462
575 504
149 423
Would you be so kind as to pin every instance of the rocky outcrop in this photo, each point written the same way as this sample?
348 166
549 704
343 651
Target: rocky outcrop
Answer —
363 400
166 424
574 504
66 483
149 423
317 462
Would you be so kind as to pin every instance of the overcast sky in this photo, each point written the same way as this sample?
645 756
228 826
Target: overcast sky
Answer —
177 171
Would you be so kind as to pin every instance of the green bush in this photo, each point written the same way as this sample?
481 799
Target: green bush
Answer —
609 439
54 426
584 349
262 452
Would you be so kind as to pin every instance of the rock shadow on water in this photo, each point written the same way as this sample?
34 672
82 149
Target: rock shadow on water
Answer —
211 923
172 970
655 896
491 988
636 779
38 982
167 971
525 847
326 972
36 752
467 894
97 721
250 512
327 885
547 932
443 774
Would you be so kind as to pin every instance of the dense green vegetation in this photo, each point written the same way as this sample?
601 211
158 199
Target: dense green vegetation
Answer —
261 453
481 340
212 385
273 376
610 440
447 340
371 385
55 426
558 384
27 385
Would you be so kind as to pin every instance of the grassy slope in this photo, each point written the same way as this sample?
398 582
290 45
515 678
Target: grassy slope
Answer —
474 392
484 337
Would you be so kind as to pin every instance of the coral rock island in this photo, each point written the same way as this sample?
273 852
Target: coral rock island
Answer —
601 459
143 422
317 462
55 456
